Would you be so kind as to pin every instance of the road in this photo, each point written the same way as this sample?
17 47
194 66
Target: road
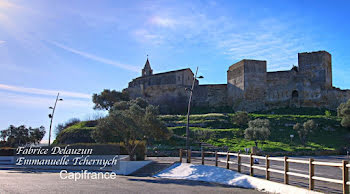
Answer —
12 181
322 171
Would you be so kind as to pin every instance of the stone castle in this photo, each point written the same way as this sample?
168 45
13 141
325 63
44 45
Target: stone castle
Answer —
249 87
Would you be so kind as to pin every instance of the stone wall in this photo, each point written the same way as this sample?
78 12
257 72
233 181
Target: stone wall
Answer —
249 87
169 98
280 88
214 96
166 90
246 85
317 67
235 82
179 77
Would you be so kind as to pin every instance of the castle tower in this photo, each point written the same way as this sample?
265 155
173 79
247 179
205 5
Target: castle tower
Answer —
246 84
317 68
147 70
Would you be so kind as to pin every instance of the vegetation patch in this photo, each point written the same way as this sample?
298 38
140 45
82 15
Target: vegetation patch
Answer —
327 137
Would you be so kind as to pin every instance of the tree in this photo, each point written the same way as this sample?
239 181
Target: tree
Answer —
304 130
130 123
241 118
344 113
62 126
19 136
107 98
259 129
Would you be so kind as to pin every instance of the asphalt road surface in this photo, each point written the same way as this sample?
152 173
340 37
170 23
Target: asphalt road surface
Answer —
14 181
322 171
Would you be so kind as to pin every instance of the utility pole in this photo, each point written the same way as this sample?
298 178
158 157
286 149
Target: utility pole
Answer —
189 109
52 114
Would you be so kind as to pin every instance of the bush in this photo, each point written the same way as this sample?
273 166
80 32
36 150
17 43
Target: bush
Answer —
240 118
310 125
305 129
62 126
344 113
131 122
259 129
200 135
78 133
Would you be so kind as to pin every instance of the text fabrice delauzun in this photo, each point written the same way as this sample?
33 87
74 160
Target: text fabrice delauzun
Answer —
57 156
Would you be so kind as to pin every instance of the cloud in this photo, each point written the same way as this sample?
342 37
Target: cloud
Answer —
13 67
272 39
96 58
163 21
12 99
145 36
6 5
44 92
2 41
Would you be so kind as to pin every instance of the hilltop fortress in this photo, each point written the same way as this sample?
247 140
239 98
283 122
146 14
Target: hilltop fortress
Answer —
249 87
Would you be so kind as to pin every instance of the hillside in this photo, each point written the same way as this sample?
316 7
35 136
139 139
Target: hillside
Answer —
218 129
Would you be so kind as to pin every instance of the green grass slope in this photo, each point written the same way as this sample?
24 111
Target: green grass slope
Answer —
218 129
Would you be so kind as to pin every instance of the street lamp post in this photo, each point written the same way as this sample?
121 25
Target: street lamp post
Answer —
52 114
189 109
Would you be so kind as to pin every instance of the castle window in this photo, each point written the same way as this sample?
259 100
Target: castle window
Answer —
295 94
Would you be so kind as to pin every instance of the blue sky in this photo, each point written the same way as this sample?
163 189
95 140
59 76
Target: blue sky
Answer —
81 47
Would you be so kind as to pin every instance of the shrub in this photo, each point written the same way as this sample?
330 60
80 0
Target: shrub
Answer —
78 133
201 134
259 129
62 126
131 122
305 129
240 118
344 113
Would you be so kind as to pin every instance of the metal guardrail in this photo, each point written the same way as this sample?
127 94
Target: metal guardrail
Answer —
344 165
